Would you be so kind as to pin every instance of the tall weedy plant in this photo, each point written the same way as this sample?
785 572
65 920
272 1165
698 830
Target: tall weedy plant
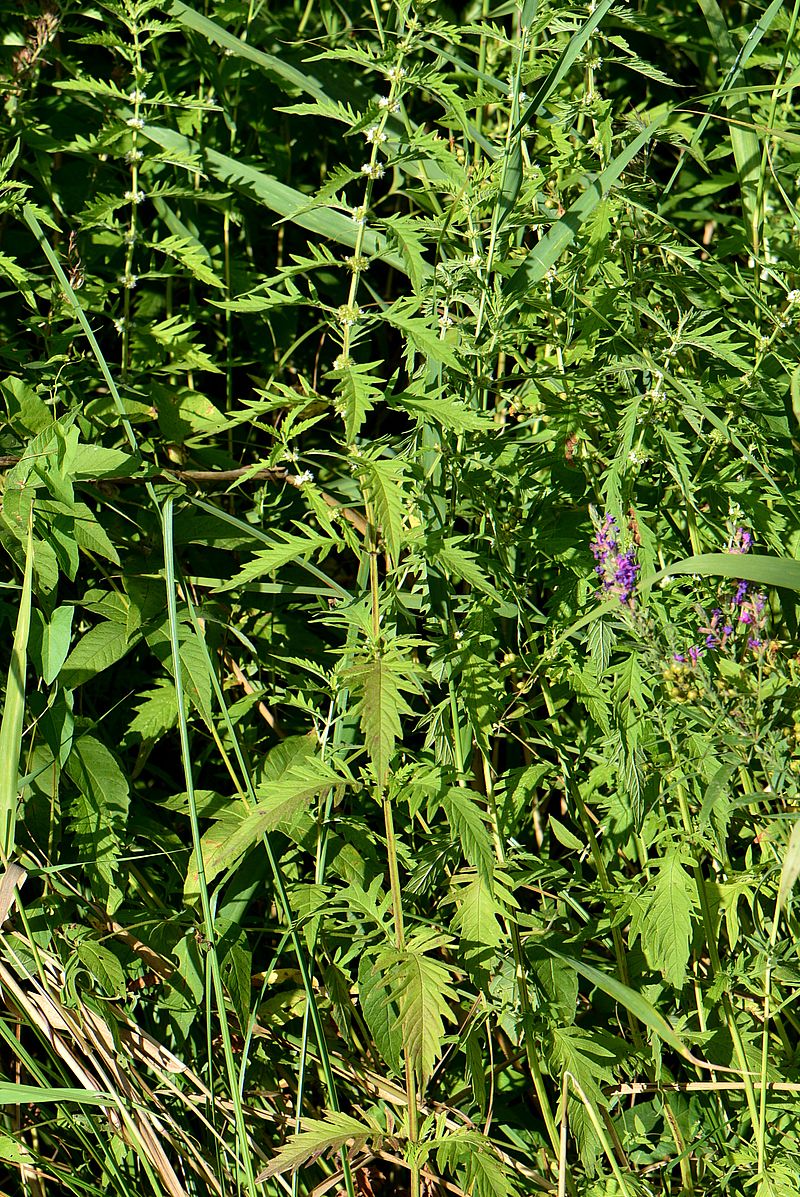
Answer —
398 506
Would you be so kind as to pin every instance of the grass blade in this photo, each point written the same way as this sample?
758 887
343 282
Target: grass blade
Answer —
556 240
14 710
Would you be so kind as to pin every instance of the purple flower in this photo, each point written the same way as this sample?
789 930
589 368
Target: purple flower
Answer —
617 571
694 654
741 594
741 541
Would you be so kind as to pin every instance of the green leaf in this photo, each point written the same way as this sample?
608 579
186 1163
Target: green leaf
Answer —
468 823
471 1157
56 636
380 1015
581 1053
420 986
751 567
463 564
382 483
419 332
667 923
638 1005
379 681
357 392
103 966
27 411
99 813
287 548
93 462
156 711
319 1137
11 728
101 646
449 413
239 830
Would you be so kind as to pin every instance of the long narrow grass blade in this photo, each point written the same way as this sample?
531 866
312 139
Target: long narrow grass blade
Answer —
783 572
208 917
14 710
556 240
283 200
744 139
568 56
190 18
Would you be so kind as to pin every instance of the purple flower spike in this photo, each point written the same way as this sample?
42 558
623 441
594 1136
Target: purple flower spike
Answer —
694 654
617 571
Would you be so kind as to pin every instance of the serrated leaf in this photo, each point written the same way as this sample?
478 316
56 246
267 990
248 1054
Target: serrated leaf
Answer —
470 1156
99 813
420 985
462 564
449 413
156 711
380 1014
318 1137
580 1053
357 392
378 682
101 646
288 547
469 826
382 482
239 830
667 922
419 332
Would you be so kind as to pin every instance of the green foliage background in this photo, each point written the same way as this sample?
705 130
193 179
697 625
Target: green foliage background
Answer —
373 843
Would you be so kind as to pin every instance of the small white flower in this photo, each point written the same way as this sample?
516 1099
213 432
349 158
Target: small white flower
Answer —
135 197
135 122
388 104
395 74
373 170
342 361
119 325
763 343
134 156
475 260
793 297
374 135
130 237
137 96
523 97
445 321
303 478
359 215
128 281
